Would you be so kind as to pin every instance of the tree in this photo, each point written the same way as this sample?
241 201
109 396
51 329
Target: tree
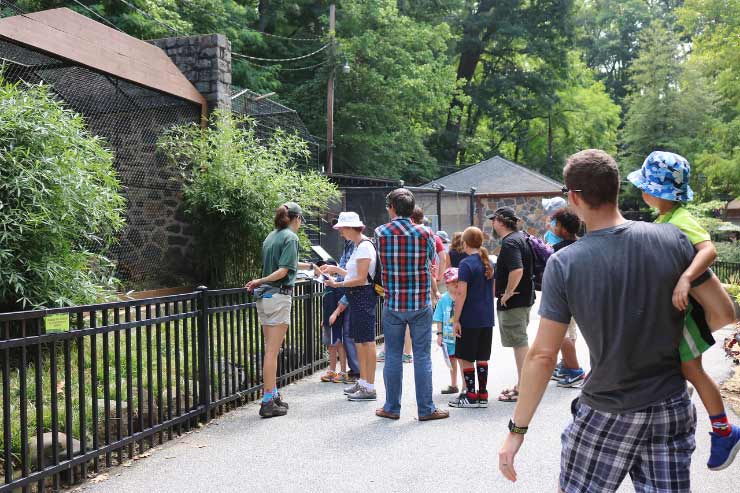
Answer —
394 98
60 206
233 184
511 55
583 117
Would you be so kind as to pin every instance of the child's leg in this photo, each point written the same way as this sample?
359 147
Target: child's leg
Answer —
462 375
342 357
708 391
333 358
568 350
453 371
407 342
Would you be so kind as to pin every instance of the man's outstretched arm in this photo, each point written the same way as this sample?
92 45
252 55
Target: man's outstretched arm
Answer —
536 372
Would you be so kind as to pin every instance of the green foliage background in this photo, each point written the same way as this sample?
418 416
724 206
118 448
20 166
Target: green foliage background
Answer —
60 206
233 184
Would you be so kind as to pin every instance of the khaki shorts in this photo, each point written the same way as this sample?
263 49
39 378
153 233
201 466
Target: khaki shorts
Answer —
572 332
275 310
512 324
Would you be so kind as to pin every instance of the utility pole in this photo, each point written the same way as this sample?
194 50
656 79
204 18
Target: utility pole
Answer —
330 99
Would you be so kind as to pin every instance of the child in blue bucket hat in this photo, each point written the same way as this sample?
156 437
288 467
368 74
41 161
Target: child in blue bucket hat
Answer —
664 181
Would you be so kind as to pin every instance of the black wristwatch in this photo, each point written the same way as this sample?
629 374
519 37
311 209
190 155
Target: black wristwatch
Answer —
520 430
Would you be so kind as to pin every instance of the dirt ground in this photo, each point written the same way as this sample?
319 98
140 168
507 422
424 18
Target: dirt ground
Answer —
731 390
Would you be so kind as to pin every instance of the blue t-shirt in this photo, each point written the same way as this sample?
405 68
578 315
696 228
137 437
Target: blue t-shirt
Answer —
444 313
477 312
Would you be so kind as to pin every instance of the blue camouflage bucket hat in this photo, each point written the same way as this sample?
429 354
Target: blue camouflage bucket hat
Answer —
664 175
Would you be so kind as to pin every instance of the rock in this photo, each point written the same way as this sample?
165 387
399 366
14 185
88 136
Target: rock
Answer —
48 449
112 420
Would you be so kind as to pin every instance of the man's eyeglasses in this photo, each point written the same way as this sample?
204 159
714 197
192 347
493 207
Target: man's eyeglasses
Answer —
565 190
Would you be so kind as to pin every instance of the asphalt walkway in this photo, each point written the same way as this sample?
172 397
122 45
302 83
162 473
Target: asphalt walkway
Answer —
327 443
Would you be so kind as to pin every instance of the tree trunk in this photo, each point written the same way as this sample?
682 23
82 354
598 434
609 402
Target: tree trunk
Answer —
471 49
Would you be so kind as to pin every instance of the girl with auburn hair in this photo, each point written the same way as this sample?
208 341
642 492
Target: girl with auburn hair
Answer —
474 319
457 250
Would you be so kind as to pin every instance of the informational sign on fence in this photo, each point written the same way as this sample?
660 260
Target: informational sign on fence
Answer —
56 323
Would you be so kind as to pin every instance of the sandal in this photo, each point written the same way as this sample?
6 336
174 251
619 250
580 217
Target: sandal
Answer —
382 413
328 376
509 395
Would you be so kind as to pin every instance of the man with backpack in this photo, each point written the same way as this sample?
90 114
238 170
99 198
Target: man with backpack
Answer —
514 288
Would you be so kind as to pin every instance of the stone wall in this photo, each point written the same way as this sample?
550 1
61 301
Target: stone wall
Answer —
206 62
528 208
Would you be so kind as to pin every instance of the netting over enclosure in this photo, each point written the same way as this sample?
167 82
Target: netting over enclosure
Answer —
446 210
153 250
270 116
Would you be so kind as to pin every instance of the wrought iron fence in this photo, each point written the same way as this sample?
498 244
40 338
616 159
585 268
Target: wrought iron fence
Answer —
727 272
87 387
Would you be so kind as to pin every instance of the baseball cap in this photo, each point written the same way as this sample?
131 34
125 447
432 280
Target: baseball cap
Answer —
450 274
504 213
293 208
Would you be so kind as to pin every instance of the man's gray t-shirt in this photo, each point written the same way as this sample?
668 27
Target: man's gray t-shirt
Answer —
617 283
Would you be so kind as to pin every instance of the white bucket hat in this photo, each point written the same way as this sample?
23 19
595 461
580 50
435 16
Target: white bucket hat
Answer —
349 220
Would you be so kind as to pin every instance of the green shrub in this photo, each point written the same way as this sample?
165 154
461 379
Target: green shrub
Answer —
233 184
728 251
59 203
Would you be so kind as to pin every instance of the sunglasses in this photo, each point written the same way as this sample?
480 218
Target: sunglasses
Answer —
565 190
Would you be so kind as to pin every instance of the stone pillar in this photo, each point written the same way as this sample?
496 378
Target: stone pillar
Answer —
206 62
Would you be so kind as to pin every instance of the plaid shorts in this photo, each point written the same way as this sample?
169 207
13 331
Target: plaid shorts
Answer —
653 445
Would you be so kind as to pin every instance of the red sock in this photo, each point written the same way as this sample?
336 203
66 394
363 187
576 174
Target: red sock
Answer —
469 374
720 425
482 368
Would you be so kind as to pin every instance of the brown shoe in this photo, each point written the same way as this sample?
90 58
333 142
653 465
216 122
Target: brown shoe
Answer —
382 413
437 414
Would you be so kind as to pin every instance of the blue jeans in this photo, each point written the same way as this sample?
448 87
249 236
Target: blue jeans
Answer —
394 330
349 345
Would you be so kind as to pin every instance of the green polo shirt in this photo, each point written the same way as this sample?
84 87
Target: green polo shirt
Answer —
280 249
680 217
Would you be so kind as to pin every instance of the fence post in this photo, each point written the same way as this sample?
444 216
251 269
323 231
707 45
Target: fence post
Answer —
440 188
472 205
204 380
309 332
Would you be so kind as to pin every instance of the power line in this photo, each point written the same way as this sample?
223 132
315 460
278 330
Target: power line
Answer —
280 69
97 15
277 60
237 26
150 16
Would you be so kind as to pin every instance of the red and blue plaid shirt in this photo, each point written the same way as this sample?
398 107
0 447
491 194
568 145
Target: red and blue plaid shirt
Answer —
406 252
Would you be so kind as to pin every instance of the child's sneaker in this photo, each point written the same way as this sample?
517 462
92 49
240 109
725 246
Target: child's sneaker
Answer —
482 399
572 378
381 357
407 358
463 400
339 378
557 373
328 376
724 449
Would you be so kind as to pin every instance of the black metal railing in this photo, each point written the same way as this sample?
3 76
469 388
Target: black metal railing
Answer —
128 375
727 272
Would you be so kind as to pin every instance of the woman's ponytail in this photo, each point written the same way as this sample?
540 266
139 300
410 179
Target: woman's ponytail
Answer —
282 218
486 262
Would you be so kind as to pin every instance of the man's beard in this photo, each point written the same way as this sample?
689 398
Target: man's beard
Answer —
495 233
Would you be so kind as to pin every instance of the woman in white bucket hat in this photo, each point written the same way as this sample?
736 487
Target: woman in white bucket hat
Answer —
363 301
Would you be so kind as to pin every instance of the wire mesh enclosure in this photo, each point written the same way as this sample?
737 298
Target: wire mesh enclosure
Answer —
446 210
269 116
154 248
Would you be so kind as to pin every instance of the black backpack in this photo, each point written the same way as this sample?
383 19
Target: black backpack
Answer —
540 254
376 280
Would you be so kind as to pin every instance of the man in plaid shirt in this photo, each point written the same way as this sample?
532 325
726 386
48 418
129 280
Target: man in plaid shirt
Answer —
406 251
